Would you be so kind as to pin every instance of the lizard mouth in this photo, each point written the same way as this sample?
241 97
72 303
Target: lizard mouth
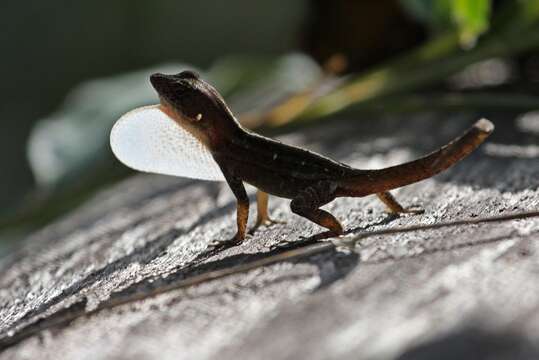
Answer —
167 85
170 90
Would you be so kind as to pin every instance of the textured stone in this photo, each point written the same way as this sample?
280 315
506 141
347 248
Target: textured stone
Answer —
456 292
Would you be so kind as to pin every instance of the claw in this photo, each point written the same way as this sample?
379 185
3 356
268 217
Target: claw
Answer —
414 210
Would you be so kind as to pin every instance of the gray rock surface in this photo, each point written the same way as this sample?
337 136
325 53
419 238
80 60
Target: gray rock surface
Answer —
456 292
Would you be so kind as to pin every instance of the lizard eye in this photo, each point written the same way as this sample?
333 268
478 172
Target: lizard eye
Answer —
198 117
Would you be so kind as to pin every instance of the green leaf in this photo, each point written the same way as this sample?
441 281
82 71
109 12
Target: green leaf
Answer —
472 19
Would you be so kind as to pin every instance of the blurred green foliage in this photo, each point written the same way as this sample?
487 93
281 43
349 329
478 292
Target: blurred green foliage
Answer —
470 17
514 30
50 47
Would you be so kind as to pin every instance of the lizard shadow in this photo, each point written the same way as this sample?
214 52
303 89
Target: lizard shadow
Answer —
332 264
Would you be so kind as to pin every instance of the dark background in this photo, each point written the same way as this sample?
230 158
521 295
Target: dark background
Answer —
48 47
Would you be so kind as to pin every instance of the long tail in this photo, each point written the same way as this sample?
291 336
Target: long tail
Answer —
375 181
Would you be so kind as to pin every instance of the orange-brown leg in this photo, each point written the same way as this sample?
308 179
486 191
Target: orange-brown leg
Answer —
242 214
394 206
262 214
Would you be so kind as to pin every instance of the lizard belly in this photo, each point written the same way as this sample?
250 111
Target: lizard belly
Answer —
275 183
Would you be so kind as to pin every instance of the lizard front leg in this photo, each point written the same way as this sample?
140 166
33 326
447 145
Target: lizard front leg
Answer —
309 200
242 213
394 207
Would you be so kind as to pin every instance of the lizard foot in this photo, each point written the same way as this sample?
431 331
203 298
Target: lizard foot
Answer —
265 222
220 245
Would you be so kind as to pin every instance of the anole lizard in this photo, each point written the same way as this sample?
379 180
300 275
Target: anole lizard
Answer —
310 180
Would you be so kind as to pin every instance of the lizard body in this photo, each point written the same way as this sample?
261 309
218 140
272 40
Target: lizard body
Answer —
310 180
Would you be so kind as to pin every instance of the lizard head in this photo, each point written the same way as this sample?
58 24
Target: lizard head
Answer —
193 103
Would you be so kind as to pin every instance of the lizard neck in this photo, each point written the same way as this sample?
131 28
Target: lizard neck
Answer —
225 130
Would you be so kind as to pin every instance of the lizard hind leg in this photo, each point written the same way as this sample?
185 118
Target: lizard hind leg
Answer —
308 201
262 217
